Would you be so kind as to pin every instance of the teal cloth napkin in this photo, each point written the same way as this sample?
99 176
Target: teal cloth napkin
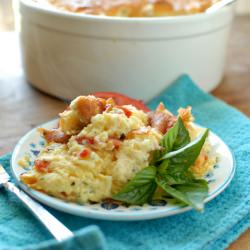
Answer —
223 220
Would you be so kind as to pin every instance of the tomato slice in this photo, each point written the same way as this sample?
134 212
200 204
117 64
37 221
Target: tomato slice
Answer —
121 99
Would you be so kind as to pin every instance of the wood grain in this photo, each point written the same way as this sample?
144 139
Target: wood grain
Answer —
23 107
235 87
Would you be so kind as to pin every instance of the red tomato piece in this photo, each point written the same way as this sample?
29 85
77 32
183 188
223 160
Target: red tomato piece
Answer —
85 153
41 165
116 142
89 140
127 112
121 99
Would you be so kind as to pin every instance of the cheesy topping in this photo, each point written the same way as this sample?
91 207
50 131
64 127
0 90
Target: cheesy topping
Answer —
132 8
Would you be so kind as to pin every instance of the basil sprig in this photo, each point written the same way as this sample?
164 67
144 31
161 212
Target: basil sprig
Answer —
192 193
176 138
140 189
169 170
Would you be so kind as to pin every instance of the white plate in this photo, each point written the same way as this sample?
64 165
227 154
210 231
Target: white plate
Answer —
32 142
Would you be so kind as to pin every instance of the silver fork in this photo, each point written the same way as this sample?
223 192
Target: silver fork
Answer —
56 228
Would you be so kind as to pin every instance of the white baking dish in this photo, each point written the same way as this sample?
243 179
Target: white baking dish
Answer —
67 54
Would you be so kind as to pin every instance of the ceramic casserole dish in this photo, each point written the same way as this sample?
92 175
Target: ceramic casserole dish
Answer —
66 54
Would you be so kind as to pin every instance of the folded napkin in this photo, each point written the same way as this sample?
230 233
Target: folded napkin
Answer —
223 220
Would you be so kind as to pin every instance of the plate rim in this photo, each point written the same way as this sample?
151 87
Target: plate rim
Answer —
64 206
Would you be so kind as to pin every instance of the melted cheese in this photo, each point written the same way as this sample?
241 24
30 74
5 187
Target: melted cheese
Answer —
106 169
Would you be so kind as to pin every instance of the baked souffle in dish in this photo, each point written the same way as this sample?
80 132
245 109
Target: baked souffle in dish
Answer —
132 8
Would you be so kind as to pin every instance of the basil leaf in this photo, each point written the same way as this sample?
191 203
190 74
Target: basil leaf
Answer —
192 194
183 158
196 192
162 168
176 137
140 189
177 177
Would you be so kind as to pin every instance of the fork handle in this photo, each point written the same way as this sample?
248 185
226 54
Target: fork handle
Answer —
56 228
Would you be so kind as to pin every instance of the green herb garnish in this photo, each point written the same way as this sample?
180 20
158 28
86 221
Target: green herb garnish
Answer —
191 193
169 170
140 189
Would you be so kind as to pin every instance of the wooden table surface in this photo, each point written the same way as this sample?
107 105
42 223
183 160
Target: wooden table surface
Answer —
23 107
